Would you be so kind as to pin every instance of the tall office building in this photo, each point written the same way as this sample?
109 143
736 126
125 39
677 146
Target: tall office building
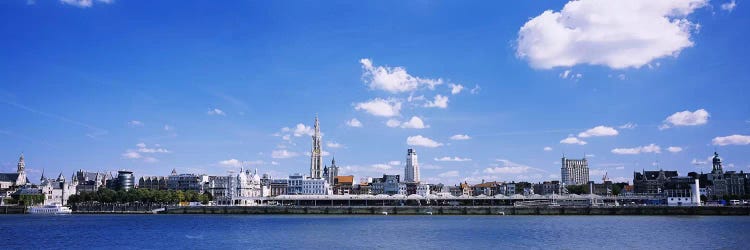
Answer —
411 171
316 158
574 171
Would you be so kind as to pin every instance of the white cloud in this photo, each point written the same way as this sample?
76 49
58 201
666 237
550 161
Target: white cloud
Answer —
216 111
698 162
394 163
729 6
135 123
547 148
331 144
142 148
167 127
616 33
83 3
354 123
419 140
509 167
569 74
686 118
414 122
475 90
628 125
460 137
283 154
131 155
455 158
573 140
651 148
598 131
380 107
381 166
394 80
231 163
731 140
439 102
392 123
456 88
299 130
452 173
674 149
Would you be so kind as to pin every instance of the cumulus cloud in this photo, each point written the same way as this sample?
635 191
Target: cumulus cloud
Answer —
568 74
686 118
142 148
331 144
131 155
354 123
456 88
135 123
439 102
380 107
84 3
651 148
547 148
674 149
392 123
393 79
231 163
419 140
573 140
414 122
729 6
460 137
394 163
475 90
216 111
283 154
598 131
731 140
455 158
299 130
452 173
617 33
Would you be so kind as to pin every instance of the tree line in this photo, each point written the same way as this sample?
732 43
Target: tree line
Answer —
144 195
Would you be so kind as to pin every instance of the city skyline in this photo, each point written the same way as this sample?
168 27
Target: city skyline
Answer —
209 92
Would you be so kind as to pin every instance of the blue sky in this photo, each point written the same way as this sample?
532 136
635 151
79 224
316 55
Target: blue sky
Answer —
107 85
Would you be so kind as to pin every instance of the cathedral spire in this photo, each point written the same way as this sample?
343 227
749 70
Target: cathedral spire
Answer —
316 159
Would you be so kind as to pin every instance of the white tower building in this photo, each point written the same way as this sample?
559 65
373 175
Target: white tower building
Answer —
411 172
316 158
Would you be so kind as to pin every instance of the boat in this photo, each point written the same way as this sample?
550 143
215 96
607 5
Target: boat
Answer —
50 209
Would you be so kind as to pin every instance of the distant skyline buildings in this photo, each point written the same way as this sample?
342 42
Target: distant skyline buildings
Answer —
316 157
219 97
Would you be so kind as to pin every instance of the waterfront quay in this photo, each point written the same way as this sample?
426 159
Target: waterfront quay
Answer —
460 210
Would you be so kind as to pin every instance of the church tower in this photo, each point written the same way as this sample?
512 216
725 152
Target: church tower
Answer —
316 159
21 170
717 169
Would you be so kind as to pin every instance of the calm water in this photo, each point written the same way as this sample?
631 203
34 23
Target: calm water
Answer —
368 232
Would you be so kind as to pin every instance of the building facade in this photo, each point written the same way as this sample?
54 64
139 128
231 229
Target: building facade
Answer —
651 182
574 171
90 181
57 191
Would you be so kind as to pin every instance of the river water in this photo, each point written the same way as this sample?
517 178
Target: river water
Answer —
371 232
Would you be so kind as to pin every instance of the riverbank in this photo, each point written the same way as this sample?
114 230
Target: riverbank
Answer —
443 210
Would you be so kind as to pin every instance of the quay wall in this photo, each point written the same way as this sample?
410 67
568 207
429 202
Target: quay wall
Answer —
12 210
459 210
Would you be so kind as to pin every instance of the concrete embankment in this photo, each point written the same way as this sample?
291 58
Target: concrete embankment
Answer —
461 210
12 210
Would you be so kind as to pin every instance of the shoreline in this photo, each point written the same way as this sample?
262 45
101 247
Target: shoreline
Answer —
443 210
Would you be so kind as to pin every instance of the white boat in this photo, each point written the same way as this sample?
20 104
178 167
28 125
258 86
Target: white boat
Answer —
50 209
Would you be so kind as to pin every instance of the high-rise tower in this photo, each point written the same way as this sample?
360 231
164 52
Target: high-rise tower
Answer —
316 159
411 171
574 171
